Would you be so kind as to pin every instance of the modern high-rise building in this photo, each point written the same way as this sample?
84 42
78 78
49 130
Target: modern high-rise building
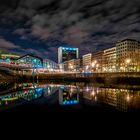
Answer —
72 65
97 61
123 57
128 55
66 54
117 98
68 95
109 60
87 59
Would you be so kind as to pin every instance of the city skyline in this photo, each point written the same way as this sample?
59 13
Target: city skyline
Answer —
41 27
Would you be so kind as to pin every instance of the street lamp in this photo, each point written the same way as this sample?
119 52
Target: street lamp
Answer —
97 65
93 64
95 61
71 66
127 61
87 67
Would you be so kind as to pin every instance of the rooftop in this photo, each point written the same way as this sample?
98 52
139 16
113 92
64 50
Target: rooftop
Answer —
127 39
31 56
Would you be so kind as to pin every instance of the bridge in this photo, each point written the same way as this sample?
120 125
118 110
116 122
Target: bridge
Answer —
28 70
14 66
15 69
23 69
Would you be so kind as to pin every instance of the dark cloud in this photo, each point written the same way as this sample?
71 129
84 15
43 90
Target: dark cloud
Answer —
4 44
89 25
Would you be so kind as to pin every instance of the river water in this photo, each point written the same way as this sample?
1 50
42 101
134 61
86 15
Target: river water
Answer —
64 97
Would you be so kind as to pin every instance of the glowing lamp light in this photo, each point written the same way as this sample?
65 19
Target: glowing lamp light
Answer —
39 89
95 98
71 102
128 98
93 93
93 64
95 61
128 61
75 101
87 89
87 67
71 67
97 65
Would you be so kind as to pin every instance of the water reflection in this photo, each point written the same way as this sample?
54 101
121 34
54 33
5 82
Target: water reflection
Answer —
68 95
72 94
120 99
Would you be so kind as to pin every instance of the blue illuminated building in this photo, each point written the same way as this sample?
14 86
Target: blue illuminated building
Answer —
8 58
67 53
66 97
37 62
49 64
33 61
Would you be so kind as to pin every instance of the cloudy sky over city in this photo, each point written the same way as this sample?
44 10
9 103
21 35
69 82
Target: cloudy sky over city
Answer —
41 26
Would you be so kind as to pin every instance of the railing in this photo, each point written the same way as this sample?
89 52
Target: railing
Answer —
92 75
4 64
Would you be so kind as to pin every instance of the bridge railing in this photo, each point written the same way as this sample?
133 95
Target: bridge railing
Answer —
5 64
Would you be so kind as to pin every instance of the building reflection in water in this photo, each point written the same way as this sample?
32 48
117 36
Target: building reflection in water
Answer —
90 93
68 95
27 94
31 94
120 99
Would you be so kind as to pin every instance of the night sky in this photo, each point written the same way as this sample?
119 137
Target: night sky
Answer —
41 26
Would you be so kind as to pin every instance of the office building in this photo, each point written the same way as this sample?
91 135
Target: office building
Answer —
49 64
68 95
116 98
97 61
87 60
109 60
123 57
128 55
66 54
72 65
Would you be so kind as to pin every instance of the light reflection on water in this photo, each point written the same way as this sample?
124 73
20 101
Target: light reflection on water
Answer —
124 100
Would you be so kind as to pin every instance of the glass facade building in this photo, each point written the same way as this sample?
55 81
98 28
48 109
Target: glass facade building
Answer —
33 61
37 62
49 64
66 54
8 58
123 57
